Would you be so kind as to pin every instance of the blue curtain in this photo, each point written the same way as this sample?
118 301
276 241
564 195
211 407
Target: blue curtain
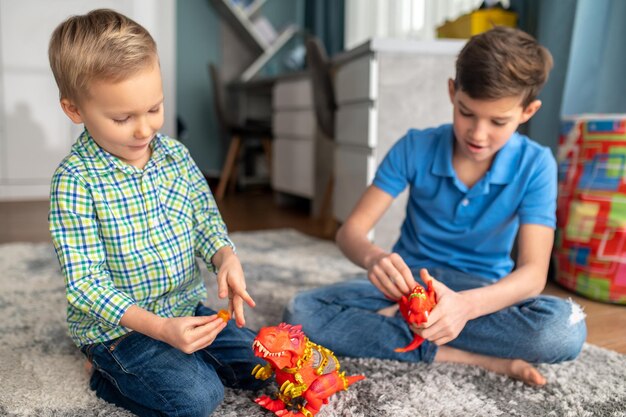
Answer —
596 81
587 39
325 20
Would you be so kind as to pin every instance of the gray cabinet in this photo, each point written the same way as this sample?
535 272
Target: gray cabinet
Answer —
302 155
383 88
295 129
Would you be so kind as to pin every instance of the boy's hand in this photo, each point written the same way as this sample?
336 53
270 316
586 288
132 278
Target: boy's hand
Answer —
390 274
448 317
190 334
231 283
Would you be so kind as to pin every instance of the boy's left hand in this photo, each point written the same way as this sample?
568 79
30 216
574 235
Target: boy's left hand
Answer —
231 283
448 317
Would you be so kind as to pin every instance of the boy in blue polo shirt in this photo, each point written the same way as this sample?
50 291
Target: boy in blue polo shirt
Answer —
474 186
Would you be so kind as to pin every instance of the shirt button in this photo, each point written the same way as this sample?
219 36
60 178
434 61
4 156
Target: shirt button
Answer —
465 202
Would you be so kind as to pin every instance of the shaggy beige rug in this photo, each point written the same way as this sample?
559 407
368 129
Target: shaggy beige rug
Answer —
41 372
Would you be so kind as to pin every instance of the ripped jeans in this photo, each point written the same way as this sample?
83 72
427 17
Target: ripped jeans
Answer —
343 318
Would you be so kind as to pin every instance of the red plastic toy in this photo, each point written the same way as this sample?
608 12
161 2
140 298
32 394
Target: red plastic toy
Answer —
307 373
415 309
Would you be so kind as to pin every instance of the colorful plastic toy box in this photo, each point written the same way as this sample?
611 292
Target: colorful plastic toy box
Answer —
590 249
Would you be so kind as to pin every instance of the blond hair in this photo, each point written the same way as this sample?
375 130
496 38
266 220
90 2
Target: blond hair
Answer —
503 62
102 45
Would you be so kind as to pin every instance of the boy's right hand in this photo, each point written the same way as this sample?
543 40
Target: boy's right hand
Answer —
190 334
391 275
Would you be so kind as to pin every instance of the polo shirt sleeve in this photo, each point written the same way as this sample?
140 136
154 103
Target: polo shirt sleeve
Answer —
394 172
210 232
539 203
81 254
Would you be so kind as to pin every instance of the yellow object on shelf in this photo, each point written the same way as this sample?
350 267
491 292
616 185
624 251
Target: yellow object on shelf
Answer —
476 22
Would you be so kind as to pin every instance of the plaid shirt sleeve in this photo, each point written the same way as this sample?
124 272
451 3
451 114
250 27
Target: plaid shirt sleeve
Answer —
210 231
81 253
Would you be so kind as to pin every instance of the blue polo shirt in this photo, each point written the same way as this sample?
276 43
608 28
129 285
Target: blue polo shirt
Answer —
472 229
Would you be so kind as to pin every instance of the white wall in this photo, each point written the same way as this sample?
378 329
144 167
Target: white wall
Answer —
34 133
413 19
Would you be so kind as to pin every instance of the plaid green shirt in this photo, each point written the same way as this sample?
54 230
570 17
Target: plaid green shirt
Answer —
127 236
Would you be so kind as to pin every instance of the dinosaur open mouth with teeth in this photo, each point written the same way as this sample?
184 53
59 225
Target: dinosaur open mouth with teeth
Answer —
262 351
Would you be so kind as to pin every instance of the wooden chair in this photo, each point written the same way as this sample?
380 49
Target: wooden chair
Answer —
325 107
237 134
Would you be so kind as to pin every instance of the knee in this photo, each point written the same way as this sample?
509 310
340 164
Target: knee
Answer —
300 308
200 401
561 335
319 304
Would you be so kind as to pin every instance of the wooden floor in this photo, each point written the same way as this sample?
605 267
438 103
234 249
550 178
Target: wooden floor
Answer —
258 209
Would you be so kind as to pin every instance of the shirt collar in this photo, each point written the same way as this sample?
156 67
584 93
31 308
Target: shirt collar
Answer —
502 169
100 162
442 164
505 164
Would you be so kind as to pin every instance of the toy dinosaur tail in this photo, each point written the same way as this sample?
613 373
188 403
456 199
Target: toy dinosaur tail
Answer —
353 378
417 341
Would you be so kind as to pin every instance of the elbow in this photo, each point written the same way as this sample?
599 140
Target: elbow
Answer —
541 285
537 290
347 232
340 234
533 275
538 282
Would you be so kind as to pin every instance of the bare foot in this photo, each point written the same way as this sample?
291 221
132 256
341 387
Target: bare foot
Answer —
525 372
389 311
88 367
514 368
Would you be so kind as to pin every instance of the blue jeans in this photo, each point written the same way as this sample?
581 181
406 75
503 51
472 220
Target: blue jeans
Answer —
343 318
152 378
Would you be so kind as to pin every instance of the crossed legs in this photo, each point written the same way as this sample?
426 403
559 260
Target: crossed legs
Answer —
345 318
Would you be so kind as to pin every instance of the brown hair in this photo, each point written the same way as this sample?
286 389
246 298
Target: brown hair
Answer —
503 62
100 45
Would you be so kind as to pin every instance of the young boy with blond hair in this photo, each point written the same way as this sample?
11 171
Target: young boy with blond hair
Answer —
474 185
129 212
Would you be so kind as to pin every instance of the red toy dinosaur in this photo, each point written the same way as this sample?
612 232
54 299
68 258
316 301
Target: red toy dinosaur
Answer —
307 373
416 307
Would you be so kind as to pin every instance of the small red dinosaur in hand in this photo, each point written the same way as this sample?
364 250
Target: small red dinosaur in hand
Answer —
416 307
307 373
